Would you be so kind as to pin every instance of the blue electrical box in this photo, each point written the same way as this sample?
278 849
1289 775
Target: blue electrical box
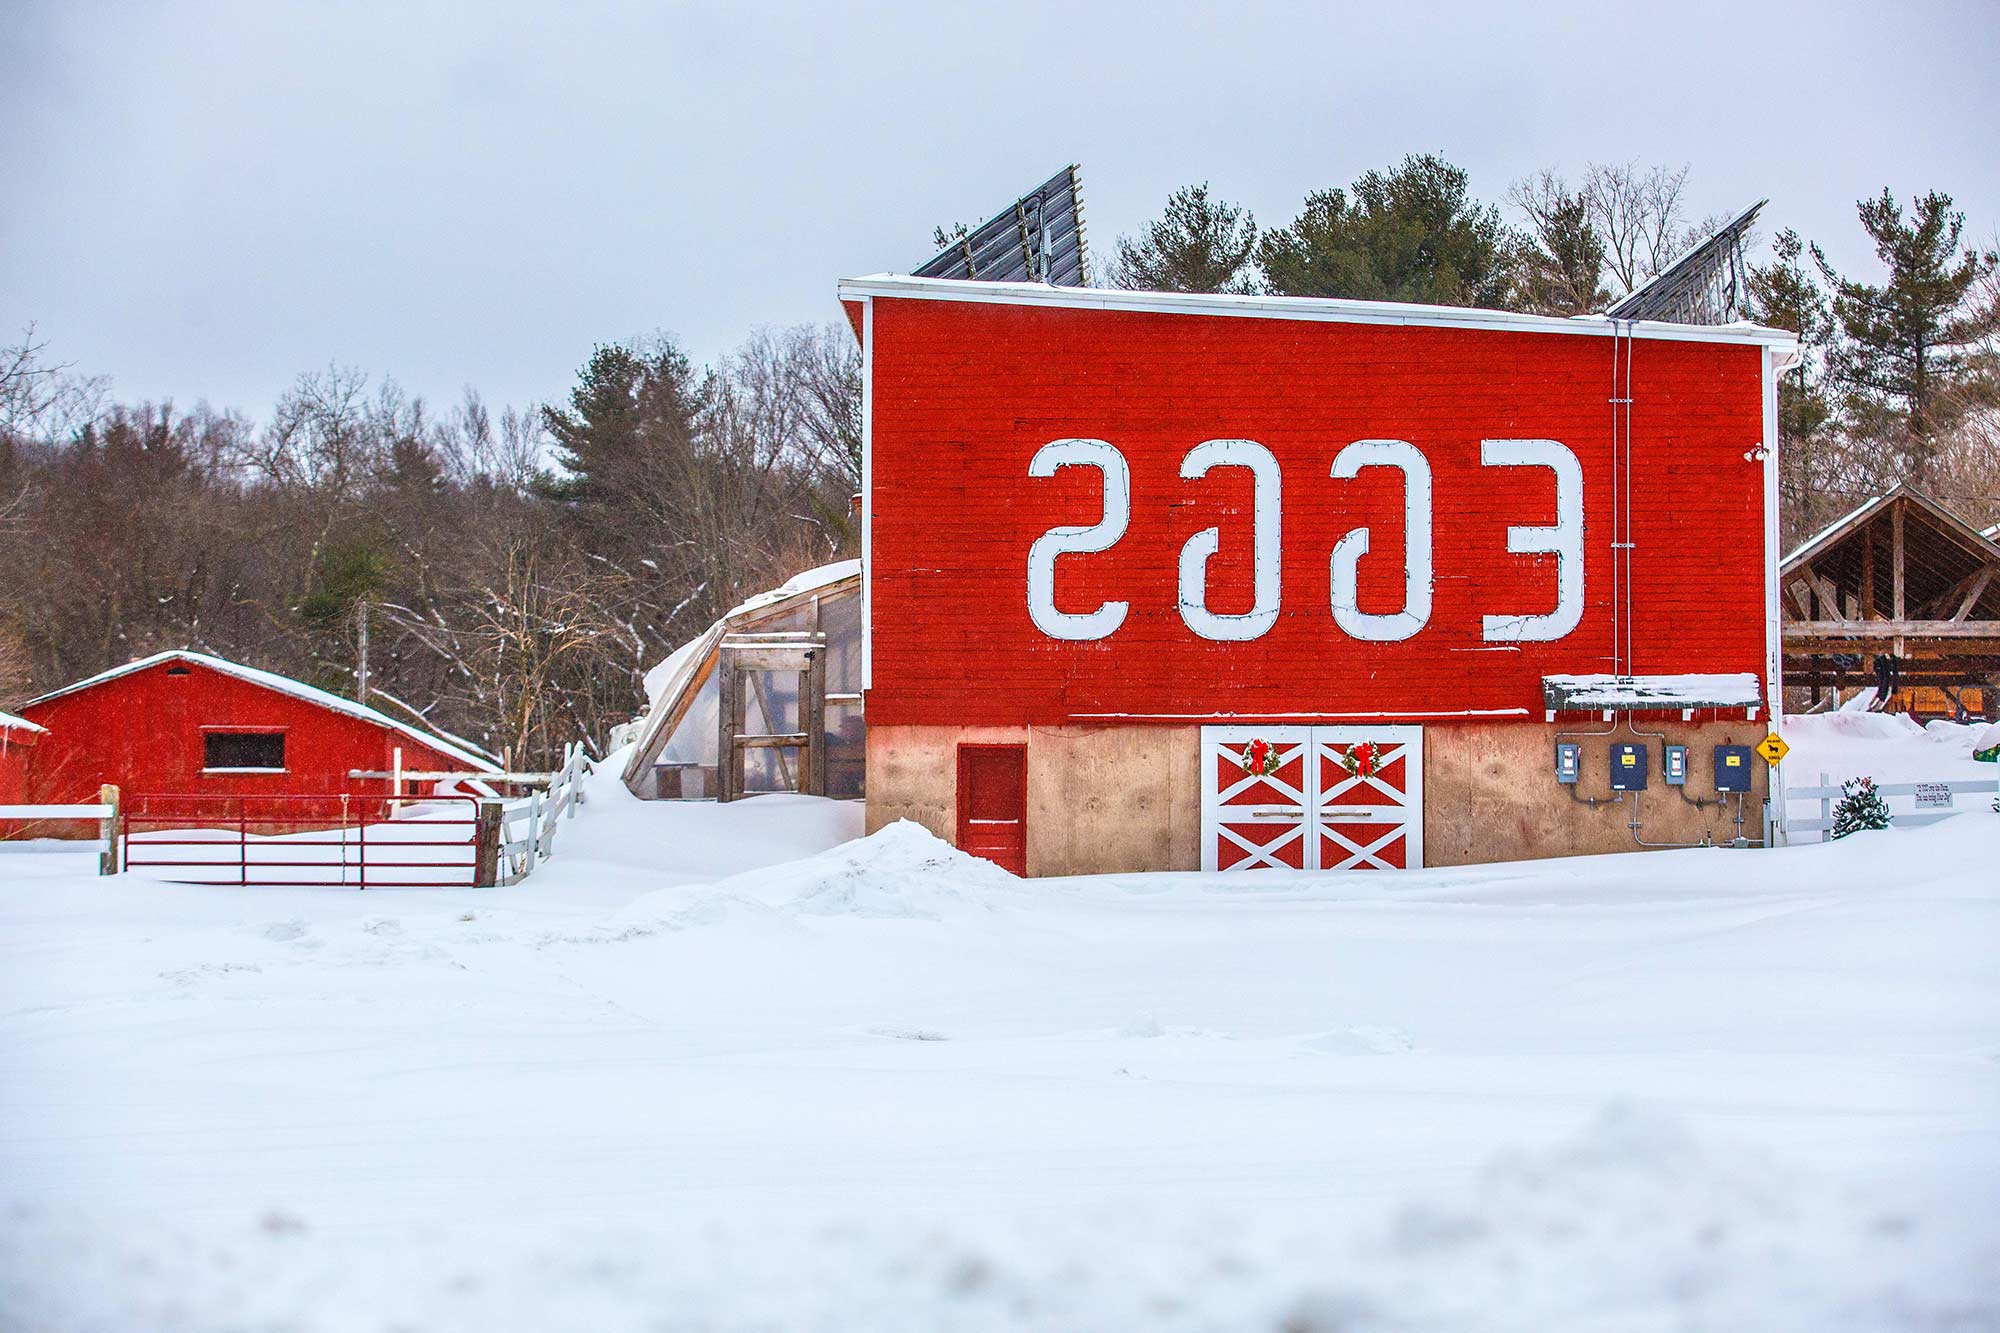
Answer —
1674 766
1732 768
1569 758
1628 767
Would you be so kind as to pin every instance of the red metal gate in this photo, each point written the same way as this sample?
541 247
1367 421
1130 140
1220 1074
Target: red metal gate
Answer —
351 841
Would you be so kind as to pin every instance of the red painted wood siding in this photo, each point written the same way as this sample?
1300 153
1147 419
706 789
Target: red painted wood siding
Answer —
17 752
965 393
144 733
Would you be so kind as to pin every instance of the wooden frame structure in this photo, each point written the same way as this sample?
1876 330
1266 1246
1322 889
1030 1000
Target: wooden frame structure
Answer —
742 658
1901 587
781 631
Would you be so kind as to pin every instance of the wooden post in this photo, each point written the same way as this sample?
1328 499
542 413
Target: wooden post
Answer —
812 702
1896 564
1868 572
728 722
107 860
534 828
486 839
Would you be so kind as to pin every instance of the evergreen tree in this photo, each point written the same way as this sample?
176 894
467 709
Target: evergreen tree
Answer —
1861 807
1912 353
1409 234
1199 245
1813 466
625 401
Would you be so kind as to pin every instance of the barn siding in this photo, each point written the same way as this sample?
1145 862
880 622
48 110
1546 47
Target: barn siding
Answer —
965 393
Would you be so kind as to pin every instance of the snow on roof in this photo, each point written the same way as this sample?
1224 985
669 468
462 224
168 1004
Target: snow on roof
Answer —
1731 690
8 722
798 584
271 680
1323 309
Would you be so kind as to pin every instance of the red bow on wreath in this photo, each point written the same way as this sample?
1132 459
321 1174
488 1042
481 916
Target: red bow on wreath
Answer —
1260 758
1360 759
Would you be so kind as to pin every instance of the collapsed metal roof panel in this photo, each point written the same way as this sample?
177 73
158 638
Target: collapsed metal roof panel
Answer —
1704 286
1037 238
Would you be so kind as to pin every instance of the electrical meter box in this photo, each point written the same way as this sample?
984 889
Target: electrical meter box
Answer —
1674 766
1569 758
1732 768
1628 767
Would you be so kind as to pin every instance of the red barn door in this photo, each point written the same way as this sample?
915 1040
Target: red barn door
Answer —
1312 814
993 804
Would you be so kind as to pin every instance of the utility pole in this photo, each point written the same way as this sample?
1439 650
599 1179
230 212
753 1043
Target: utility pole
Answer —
361 633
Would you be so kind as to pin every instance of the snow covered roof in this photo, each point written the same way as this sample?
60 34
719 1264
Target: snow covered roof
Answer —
451 747
810 580
1320 309
8 722
1638 693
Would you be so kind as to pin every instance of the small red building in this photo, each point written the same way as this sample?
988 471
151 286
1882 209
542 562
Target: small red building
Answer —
186 724
18 739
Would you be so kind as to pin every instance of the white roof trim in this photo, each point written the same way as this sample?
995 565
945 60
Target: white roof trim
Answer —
271 680
8 722
1321 309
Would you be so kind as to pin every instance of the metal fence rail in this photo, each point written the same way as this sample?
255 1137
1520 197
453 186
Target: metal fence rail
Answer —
341 841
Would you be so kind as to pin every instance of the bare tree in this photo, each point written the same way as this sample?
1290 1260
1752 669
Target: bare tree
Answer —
1639 215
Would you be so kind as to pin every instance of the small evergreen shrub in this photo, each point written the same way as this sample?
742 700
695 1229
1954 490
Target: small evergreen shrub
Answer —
1861 807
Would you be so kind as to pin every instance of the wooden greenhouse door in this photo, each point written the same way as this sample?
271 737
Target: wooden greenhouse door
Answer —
993 804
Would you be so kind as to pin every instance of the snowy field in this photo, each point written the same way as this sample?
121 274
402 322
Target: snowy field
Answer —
722 1068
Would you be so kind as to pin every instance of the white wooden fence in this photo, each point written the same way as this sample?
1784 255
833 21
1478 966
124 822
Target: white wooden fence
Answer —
528 826
1911 804
104 813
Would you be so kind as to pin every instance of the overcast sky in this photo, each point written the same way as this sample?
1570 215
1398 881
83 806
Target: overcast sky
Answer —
202 200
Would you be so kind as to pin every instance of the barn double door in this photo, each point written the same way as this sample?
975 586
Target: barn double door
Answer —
1312 813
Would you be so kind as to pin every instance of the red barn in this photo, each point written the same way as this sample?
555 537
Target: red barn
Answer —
18 740
1484 585
186 724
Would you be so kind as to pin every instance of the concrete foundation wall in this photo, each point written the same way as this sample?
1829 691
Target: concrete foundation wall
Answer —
1120 798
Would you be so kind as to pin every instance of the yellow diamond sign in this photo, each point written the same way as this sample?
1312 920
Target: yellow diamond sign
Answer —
1773 748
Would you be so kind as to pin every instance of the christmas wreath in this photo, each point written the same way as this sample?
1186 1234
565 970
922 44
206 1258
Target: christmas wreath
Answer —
1260 758
1360 760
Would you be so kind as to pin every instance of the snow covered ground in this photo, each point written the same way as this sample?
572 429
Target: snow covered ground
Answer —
721 1068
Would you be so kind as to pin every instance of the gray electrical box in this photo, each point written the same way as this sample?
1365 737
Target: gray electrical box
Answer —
1628 767
1674 766
1732 767
1569 758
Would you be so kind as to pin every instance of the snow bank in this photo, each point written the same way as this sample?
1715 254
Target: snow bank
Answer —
903 870
1888 747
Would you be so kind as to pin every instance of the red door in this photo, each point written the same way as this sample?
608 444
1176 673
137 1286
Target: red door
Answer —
993 804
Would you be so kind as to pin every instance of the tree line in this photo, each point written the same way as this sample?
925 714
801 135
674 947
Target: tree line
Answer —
1901 375
514 573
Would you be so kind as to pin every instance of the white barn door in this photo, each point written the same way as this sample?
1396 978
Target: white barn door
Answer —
1248 821
1371 823
1312 814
